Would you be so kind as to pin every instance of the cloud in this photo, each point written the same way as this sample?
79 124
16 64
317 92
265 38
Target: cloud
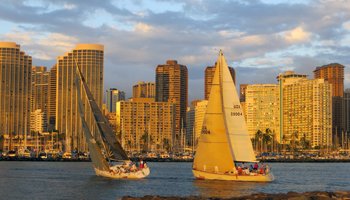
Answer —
41 45
58 40
19 37
296 35
346 26
259 38
143 27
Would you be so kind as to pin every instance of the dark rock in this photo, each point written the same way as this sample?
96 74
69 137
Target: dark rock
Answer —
317 195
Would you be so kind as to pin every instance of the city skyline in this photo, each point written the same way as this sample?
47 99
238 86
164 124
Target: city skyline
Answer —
259 46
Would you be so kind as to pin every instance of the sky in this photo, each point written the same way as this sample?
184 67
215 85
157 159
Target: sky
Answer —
259 38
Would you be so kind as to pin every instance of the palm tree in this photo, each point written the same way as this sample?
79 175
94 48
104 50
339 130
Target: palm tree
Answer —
258 136
284 138
266 138
305 144
295 136
144 138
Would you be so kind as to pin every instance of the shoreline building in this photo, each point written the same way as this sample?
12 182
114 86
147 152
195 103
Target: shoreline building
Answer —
113 95
145 125
15 92
172 87
208 79
334 74
306 110
262 109
90 58
144 90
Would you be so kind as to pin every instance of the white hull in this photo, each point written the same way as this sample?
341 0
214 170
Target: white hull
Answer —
124 175
228 177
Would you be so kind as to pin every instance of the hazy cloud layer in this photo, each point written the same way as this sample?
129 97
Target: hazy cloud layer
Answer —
259 38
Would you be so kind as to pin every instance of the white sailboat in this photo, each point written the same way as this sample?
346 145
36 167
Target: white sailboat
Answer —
224 141
123 168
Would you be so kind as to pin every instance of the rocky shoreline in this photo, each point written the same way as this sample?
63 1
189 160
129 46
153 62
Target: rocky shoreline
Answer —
317 195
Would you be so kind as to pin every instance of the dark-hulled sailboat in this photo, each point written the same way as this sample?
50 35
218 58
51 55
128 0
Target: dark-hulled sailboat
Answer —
110 145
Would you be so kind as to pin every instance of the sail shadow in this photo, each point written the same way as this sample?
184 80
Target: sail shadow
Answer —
225 189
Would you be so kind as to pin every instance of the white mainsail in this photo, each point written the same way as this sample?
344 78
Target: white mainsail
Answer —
241 144
224 137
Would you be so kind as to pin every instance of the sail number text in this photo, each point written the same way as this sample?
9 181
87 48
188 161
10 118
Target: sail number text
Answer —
236 114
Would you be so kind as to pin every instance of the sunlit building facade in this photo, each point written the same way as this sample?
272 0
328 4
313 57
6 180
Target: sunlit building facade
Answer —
144 90
90 58
15 90
334 74
262 109
145 125
306 109
200 109
37 121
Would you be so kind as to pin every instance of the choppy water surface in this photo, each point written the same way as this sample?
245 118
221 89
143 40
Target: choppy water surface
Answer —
74 180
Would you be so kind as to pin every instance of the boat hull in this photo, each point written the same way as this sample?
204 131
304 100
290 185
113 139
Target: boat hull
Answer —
129 175
227 177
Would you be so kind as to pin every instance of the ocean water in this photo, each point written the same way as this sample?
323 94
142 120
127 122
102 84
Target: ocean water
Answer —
77 180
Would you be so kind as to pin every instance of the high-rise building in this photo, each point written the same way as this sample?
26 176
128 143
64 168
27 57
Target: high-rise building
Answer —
40 93
51 113
208 79
172 86
89 57
144 90
15 90
145 125
347 109
113 95
306 110
334 74
200 109
262 109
